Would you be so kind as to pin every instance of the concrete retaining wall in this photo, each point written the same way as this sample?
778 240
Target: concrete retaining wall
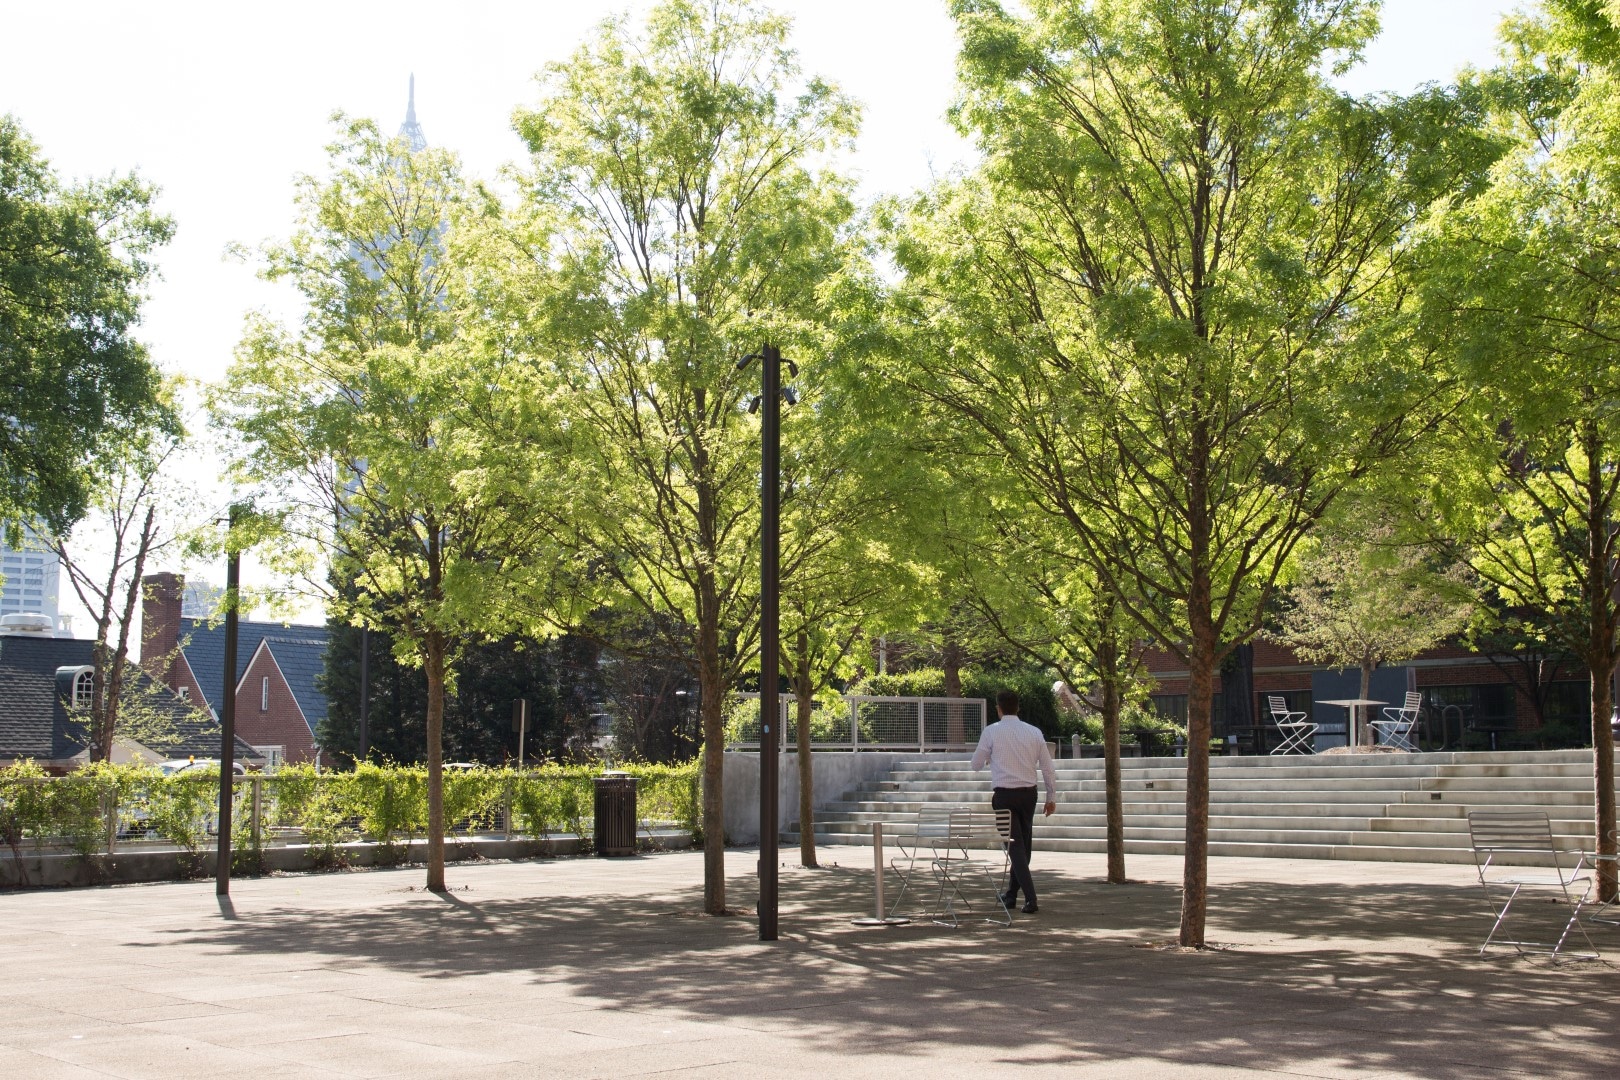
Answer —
126 867
836 775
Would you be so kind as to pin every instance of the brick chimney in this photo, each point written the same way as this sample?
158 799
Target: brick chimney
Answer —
161 596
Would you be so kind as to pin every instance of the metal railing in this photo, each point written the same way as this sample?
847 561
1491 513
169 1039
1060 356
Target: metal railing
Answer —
868 722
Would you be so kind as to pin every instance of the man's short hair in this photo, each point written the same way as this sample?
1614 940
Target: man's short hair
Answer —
1007 702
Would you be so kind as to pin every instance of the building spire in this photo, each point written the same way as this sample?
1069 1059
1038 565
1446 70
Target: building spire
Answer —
410 129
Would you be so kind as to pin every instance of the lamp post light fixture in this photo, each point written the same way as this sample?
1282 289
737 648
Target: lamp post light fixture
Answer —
769 403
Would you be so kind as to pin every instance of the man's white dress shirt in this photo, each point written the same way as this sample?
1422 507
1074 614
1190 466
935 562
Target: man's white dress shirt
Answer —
1015 751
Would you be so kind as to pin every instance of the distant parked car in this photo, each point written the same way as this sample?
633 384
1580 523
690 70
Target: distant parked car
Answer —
180 765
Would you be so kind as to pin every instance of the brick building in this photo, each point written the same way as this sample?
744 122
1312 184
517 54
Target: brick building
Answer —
278 703
1470 701
45 686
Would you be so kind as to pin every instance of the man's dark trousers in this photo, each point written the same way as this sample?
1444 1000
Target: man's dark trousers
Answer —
1021 801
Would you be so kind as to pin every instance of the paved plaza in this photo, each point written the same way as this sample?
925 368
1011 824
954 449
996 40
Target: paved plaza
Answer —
595 967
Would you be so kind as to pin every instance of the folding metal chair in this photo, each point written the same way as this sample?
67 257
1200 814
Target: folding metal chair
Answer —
1497 833
1395 729
1294 727
928 832
957 868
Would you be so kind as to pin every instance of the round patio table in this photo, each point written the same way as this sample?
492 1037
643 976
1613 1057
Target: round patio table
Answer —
1353 707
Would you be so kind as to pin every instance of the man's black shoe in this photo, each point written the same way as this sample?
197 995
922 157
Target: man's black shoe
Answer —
1008 900
1030 908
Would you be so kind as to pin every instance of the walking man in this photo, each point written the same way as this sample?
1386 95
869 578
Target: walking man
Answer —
1014 751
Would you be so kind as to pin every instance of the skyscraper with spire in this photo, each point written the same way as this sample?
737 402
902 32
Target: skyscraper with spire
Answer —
410 129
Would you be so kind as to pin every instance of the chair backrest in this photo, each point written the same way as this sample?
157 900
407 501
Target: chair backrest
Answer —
934 819
1520 831
1278 704
974 826
1414 701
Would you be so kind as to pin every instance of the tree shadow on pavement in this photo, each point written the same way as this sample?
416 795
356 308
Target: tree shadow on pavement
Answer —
1365 978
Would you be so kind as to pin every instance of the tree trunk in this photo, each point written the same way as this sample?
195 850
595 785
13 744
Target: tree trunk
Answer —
1364 730
802 691
1603 781
1600 658
1201 695
950 662
434 665
1200 699
1108 666
712 688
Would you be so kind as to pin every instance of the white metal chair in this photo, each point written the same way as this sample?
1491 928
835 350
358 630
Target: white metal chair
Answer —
956 867
1295 727
1395 729
931 829
1518 833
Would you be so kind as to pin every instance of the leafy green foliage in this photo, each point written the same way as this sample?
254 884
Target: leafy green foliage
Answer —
383 804
1524 288
678 217
74 263
1173 304
1361 601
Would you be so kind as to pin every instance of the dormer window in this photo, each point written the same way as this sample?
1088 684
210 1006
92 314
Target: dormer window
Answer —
183 693
76 686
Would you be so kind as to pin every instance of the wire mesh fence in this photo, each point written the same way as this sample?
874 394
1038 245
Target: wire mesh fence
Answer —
867 722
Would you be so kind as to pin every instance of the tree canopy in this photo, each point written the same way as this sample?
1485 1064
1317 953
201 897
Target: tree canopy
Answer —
74 380
689 217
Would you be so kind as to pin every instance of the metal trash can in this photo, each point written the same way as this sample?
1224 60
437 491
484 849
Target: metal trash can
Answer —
615 814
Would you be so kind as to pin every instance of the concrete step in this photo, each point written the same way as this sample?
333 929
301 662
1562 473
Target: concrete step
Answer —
1364 850
1472 758
1371 806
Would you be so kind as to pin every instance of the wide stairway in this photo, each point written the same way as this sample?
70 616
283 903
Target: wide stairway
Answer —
1410 807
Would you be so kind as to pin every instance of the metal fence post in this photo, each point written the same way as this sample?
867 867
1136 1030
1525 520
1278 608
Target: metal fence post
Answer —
256 811
922 727
109 803
854 724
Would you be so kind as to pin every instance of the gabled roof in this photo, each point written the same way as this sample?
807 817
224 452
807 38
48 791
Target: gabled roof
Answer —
300 652
35 723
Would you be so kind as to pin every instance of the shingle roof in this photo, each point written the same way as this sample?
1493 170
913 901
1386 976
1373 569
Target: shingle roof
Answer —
35 723
300 652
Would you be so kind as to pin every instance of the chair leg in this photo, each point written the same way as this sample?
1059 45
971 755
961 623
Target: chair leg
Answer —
1523 948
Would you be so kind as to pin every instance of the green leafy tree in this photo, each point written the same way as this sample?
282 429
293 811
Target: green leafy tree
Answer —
1028 583
1525 285
557 676
846 572
681 171
74 382
380 433
1170 301
1362 601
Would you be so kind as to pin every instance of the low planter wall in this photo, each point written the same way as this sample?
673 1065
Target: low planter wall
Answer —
133 866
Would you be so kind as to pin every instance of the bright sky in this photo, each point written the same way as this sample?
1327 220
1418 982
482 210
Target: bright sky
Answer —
221 104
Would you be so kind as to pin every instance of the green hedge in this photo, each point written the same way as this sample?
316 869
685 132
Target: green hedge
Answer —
386 804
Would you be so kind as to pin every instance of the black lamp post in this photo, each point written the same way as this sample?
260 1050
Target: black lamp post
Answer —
770 398
227 710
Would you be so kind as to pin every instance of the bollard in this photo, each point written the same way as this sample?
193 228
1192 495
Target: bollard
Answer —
877 864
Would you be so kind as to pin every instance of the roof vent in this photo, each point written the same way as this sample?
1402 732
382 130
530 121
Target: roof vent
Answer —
30 623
